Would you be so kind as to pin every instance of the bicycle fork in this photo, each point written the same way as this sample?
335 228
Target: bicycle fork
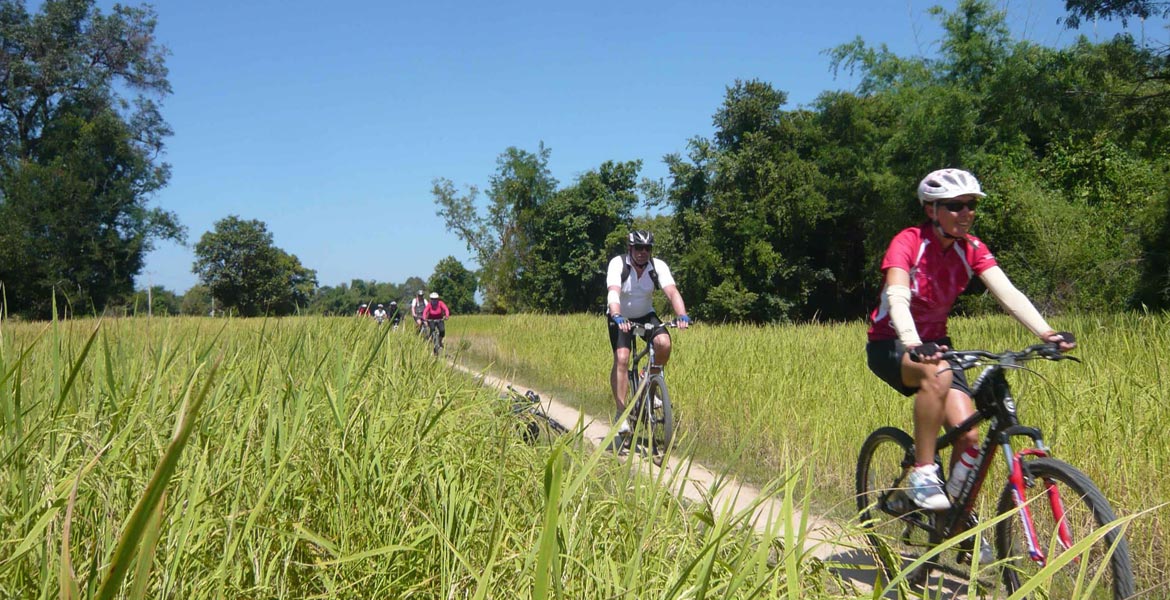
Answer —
1018 486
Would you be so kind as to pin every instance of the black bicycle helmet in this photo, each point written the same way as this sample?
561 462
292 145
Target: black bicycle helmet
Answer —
641 237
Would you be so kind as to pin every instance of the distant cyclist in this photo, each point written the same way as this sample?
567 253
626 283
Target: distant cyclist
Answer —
436 311
416 310
380 314
630 280
395 315
925 268
363 310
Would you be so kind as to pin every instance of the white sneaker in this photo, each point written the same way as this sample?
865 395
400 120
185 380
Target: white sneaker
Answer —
926 488
657 403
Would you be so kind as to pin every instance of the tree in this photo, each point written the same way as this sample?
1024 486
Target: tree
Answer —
161 302
1113 9
500 239
80 137
196 301
246 272
758 208
455 284
573 234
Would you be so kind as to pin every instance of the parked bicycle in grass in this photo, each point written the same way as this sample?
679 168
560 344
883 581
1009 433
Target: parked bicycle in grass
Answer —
536 424
1057 508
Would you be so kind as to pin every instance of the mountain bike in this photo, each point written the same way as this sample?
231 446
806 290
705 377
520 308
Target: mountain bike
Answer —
1065 508
537 424
434 334
651 418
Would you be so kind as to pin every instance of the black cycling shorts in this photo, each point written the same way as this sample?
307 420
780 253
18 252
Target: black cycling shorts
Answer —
885 360
619 338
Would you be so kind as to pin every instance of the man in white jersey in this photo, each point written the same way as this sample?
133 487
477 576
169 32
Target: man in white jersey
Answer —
631 279
416 309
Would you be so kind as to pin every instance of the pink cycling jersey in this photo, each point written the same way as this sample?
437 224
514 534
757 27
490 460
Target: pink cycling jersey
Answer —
937 276
437 310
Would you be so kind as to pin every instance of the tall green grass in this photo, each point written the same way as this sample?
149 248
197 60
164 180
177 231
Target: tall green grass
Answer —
757 399
326 458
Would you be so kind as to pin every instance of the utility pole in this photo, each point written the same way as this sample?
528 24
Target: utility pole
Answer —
149 292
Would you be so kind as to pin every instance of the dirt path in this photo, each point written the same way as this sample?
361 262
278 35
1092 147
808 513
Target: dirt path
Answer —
823 539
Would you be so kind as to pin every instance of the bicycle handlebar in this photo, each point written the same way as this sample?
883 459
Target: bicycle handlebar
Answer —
967 359
643 329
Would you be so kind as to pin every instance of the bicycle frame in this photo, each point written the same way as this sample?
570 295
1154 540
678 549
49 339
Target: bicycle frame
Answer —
433 332
994 403
638 379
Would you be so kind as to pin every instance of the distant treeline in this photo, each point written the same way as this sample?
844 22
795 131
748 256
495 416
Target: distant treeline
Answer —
785 213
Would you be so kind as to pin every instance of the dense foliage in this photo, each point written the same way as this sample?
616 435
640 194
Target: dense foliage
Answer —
455 285
248 274
784 214
80 139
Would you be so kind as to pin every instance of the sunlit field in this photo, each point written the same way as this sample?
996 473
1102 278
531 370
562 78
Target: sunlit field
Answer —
763 400
325 458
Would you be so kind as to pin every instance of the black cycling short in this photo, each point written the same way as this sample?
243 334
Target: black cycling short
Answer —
885 360
619 338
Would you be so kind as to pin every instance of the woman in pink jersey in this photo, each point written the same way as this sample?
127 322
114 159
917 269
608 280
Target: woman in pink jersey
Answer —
925 269
436 313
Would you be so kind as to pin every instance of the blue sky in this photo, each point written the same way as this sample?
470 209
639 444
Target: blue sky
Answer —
329 121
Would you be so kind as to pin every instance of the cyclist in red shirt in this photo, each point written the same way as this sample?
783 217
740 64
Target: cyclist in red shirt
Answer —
437 313
925 269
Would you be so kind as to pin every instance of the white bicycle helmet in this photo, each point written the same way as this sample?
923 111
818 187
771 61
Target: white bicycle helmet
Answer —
945 184
434 295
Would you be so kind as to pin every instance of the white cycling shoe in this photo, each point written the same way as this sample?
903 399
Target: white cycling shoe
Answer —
926 489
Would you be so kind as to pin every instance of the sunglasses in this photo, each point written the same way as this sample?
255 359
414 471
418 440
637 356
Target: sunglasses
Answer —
955 207
642 247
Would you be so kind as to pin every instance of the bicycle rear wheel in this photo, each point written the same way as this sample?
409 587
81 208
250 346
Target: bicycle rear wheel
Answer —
1085 510
895 528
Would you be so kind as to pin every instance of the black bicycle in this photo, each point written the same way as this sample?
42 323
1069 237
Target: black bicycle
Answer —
434 334
652 417
1065 506
536 425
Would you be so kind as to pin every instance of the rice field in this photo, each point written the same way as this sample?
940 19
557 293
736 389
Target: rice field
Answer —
763 401
325 458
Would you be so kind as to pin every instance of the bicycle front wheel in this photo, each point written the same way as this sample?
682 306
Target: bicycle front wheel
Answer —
1060 489
895 529
659 414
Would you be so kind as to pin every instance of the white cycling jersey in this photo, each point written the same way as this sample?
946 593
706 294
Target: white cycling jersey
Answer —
638 290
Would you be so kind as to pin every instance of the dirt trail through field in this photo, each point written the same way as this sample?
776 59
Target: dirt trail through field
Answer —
822 538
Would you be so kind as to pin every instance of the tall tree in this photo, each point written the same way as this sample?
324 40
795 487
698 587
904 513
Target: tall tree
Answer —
244 271
455 284
80 137
500 239
572 235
